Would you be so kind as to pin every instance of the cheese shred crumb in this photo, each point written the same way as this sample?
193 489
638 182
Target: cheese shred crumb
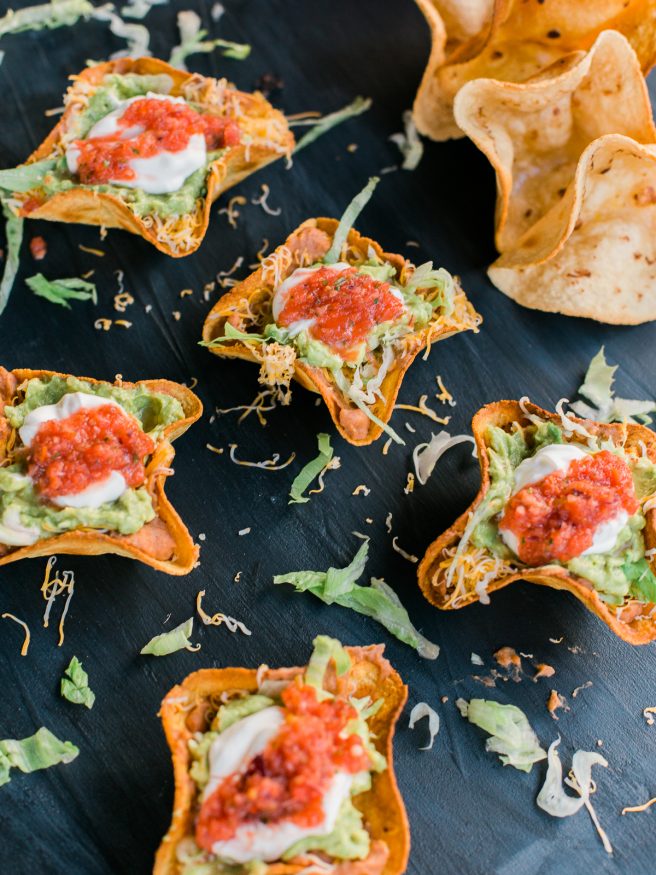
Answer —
422 408
402 552
444 395
361 490
98 252
53 587
26 642
642 807
219 619
267 465
231 211
217 450
261 201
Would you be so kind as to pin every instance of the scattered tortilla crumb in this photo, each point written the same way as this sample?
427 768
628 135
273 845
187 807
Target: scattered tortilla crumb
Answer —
410 483
409 556
26 641
642 807
217 450
231 211
51 588
476 659
361 490
555 702
582 687
245 531
508 658
486 680
543 671
98 252
647 714
38 248
422 408
176 315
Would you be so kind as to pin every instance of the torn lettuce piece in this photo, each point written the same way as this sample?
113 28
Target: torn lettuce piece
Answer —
75 685
350 215
62 291
170 642
57 13
643 580
237 709
606 407
378 601
322 125
38 751
27 176
325 649
409 142
140 8
193 42
311 471
14 233
511 734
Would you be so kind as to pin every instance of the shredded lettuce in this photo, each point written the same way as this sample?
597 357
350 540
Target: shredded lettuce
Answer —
57 13
325 649
643 580
170 642
311 470
192 42
27 176
351 213
320 126
421 710
511 734
136 35
409 142
606 407
140 8
14 233
61 291
378 601
38 751
75 684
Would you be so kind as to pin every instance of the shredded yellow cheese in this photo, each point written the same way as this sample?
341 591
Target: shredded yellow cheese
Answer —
26 641
402 552
647 714
217 450
386 446
361 490
219 619
91 251
186 292
267 465
53 587
122 323
258 406
333 464
642 807
122 301
231 210
410 484
261 201
102 324
422 408
444 395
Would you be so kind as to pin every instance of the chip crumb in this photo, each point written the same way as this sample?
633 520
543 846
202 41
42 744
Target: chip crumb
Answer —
245 531
544 670
486 680
556 701
508 658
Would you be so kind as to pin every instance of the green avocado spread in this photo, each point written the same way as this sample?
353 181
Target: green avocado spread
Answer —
114 89
126 515
616 574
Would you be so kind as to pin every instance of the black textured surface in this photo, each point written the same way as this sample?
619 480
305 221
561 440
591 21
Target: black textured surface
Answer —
106 812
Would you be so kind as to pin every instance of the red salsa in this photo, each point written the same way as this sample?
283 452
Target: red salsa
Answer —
68 455
345 304
556 518
162 126
289 779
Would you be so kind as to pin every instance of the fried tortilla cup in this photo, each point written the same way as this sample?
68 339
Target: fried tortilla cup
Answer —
190 706
594 254
265 138
164 543
248 307
515 41
534 133
634 621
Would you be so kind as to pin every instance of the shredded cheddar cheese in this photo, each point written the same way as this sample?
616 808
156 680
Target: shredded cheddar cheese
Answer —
444 395
53 587
647 714
98 252
267 465
361 490
410 484
422 408
102 324
231 210
26 641
217 450
409 556
643 807
261 201
386 446
219 619
122 301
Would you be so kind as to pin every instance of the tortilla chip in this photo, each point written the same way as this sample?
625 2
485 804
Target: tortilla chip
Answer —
177 235
248 306
534 133
517 39
632 621
594 254
164 543
189 708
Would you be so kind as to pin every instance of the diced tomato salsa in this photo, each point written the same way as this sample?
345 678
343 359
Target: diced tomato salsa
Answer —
556 518
345 304
162 126
68 455
289 779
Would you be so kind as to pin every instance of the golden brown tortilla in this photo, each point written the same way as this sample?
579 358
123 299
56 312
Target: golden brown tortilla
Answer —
632 621
189 708
165 543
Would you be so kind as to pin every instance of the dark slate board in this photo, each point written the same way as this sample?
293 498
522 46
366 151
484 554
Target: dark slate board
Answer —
106 812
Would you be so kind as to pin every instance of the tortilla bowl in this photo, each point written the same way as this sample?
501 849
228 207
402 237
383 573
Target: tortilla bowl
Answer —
189 707
248 305
164 543
182 235
632 621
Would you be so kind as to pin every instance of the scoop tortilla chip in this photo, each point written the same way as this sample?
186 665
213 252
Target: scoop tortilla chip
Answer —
534 133
189 708
517 39
164 543
261 124
594 254
632 621
248 307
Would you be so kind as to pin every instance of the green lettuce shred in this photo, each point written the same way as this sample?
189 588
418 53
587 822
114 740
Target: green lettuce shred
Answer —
57 13
38 751
351 213
378 601
193 42
606 407
325 649
75 685
409 143
62 291
27 176
311 471
14 232
238 709
511 734
643 580
170 642
320 126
